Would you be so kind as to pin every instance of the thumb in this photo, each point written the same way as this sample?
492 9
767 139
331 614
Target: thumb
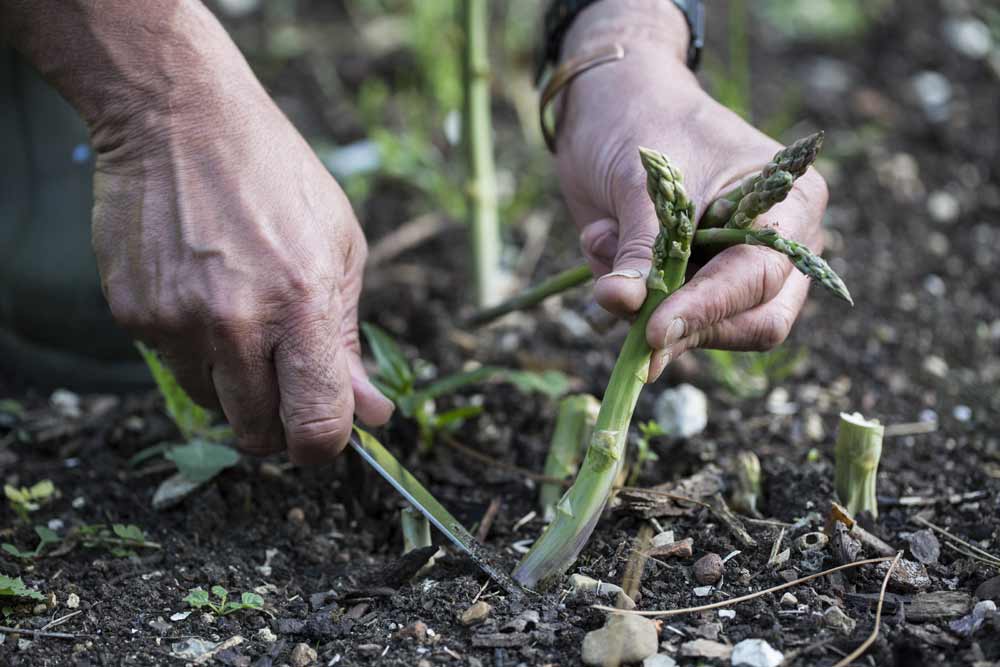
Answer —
623 289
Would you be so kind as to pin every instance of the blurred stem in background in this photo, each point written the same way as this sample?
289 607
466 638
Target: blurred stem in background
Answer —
481 190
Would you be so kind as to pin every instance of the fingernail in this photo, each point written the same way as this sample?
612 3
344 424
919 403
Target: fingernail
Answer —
661 363
631 274
674 332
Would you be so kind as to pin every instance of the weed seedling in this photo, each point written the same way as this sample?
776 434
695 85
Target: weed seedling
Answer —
644 448
27 499
15 588
46 537
198 598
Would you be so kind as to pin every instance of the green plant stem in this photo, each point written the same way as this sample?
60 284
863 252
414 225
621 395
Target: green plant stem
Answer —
533 295
856 455
478 127
416 529
579 509
577 415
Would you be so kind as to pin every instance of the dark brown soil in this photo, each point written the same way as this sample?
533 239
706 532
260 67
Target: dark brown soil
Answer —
924 336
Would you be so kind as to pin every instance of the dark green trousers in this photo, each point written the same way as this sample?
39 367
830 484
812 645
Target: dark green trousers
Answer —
55 326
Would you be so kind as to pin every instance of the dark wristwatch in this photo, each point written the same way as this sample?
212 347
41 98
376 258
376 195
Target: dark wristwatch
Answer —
561 13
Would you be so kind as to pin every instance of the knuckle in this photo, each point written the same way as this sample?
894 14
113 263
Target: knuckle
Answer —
773 330
306 430
774 272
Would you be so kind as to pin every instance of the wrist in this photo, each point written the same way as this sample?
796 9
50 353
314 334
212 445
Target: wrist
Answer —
636 24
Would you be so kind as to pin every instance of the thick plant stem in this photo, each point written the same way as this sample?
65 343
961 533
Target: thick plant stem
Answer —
416 529
577 415
484 224
534 295
579 509
857 454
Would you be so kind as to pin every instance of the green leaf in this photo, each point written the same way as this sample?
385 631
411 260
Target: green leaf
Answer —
148 453
12 407
16 553
394 371
46 535
15 588
197 598
129 532
200 460
191 419
16 495
551 383
251 600
454 418
220 592
43 490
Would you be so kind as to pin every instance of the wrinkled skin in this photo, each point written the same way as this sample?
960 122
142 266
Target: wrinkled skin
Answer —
744 298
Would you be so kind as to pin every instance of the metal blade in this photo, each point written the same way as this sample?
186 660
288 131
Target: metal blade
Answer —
372 451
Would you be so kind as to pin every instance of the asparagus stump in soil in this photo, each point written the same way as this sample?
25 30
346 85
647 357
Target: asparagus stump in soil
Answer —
578 510
857 453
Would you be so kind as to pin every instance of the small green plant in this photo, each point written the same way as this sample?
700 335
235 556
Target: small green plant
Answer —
644 448
751 374
120 539
202 455
26 499
46 537
397 379
16 588
857 454
199 598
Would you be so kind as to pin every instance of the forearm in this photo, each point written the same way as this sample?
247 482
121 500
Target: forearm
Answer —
131 68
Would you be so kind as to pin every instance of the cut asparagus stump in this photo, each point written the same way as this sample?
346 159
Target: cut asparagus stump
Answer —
579 509
577 415
857 454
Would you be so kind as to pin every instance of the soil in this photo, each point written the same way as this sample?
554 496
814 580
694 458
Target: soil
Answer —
322 545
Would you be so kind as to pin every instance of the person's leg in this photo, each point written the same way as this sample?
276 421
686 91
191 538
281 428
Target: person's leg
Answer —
55 327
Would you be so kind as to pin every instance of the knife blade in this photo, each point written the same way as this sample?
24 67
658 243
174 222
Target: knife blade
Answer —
379 458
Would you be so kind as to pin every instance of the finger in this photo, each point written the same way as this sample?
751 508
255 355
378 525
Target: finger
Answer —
758 329
314 384
370 405
247 387
599 243
623 290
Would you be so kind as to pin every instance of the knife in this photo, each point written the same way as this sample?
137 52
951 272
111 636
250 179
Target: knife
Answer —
372 451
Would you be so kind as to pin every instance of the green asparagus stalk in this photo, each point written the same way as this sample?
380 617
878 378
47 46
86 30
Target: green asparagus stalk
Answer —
748 484
794 159
764 195
579 509
577 415
478 127
857 454
534 295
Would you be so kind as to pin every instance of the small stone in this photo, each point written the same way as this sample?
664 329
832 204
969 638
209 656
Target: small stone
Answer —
266 635
160 625
303 655
296 515
728 614
477 613
24 644
369 650
962 413
969 625
789 600
989 590
835 619
79 502
581 583
705 648
934 285
756 653
679 549
925 547
66 403
662 539
416 630
702 591
943 207
72 601
969 36
933 92
40 609
709 569
709 631
908 576
936 366
625 638
814 428
659 660
779 402
682 411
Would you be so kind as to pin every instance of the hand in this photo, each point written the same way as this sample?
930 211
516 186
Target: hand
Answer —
744 298
223 242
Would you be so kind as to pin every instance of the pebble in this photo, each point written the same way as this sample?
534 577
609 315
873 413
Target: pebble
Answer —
659 660
933 91
662 539
901 174
835 619
72 601
908 576
779 402
969 36
989 589
66 403
416 630
934 285
623 639
709 569
705 648
682 411
303 655
368 650
962 413
925 547
296 515
477 613
968 625
728 614
789 600
814 428
936 366
702 591
756 653
266 635
943 207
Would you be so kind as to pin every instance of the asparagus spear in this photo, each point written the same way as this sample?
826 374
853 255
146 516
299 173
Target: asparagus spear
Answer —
857 454
578 510
765 193
577 415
